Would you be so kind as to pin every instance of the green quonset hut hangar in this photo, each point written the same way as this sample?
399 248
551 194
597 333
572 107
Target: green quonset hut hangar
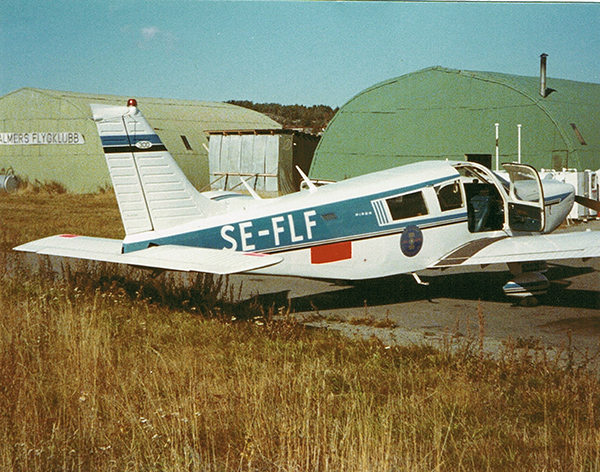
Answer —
440 113
50 136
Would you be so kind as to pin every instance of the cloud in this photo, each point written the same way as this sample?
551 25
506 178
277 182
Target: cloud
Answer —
150 33
153 36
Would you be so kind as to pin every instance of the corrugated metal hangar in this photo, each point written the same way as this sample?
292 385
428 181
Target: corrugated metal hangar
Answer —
50 136
440 113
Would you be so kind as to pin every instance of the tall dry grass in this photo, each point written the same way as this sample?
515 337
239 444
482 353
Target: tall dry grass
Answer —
27 215
105 369
94 375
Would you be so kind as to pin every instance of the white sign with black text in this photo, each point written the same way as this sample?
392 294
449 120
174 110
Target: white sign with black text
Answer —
41 138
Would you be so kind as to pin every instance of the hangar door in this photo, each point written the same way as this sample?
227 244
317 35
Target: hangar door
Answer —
253 157
265 159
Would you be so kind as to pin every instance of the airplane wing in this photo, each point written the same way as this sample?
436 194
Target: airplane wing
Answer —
170 257
546 247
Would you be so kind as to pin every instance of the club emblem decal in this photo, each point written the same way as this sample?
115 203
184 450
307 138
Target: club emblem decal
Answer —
411 241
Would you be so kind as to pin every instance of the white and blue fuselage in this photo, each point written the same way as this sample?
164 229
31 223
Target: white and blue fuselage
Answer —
385 223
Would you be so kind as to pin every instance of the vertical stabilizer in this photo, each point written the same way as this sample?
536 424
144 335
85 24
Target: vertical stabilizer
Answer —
152 191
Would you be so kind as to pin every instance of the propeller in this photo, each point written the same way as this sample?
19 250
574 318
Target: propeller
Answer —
588 203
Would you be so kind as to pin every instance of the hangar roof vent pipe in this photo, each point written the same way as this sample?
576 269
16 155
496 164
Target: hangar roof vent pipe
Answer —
543 89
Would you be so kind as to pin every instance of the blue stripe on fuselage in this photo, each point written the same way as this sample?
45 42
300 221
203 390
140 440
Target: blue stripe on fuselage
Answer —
354 219
556 199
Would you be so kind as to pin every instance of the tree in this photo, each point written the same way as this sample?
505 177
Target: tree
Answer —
312 119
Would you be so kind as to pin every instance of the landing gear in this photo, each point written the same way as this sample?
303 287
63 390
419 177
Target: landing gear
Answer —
528 282
528 302
423 284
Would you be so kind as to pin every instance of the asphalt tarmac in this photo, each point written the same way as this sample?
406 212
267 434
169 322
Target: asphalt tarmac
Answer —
565 323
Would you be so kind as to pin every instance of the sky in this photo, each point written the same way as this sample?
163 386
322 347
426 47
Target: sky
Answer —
282 52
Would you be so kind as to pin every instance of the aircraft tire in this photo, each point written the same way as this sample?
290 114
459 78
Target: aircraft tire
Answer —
528 302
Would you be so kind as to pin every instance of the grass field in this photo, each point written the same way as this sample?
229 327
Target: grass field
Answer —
110 369
32 215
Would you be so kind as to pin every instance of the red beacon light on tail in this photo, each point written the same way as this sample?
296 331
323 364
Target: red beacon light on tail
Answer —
132 102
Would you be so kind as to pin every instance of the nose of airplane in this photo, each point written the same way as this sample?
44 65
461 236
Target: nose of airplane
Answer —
558 198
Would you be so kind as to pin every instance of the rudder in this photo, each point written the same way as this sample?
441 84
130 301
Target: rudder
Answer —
152 191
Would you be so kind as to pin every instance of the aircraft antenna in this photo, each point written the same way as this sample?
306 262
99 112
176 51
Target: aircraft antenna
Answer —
255 195
312 187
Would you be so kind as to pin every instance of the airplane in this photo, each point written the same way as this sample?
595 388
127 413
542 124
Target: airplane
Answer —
414 219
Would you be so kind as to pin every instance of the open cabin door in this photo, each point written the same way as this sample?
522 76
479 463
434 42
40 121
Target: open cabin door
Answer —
526 198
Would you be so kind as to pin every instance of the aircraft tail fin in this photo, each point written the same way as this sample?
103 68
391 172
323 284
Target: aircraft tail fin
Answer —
152 191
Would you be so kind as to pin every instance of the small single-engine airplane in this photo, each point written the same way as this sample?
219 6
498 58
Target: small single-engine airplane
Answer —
407 220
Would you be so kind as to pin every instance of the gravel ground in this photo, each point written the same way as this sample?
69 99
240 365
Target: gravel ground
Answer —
454 307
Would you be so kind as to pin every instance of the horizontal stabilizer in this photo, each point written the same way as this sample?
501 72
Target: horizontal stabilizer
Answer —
544 247
169 257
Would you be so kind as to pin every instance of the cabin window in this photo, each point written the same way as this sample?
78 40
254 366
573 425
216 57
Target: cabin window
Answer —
449 196
407 206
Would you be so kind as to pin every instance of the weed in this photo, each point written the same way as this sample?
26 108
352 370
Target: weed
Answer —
374 322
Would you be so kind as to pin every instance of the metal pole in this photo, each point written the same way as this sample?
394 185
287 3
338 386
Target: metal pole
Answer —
497 157
543 75
519 142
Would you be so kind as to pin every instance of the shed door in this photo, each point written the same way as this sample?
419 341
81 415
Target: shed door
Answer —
526 198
